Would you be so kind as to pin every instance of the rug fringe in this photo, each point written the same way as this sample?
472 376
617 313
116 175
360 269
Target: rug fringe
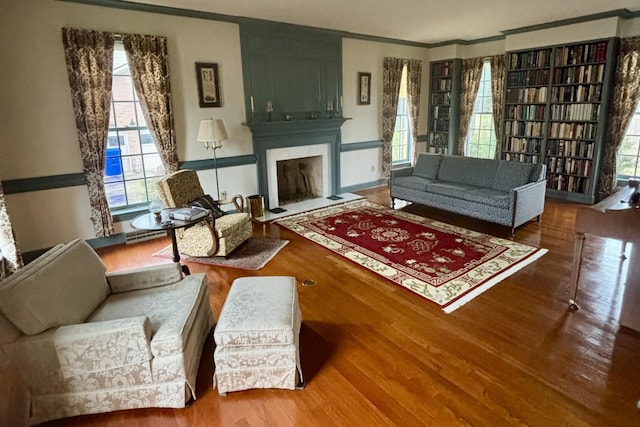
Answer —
491 283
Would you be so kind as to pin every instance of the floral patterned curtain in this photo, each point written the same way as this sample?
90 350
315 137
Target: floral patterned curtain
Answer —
626 93
497 94
471 74
8 246
89 57
391 77
149 65
414 77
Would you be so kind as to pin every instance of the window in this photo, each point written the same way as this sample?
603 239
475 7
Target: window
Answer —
132 163
481 139
401 144
628 162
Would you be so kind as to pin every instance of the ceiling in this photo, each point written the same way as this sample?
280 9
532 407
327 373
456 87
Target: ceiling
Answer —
421 21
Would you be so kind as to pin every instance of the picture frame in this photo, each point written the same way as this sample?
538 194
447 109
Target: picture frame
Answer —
364 88
208 85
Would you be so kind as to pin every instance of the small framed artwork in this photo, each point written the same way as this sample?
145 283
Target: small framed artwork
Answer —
364 88
208 85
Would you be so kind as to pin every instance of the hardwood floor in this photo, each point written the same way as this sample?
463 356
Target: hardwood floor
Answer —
375 354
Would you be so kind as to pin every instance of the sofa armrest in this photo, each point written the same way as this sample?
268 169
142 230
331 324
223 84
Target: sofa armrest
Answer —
408 171
528 201
99 346
144 277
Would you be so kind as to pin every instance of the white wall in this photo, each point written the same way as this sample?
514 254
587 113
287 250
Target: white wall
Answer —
38 135
366 120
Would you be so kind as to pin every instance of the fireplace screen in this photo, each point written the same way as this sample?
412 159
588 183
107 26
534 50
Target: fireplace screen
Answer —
299 179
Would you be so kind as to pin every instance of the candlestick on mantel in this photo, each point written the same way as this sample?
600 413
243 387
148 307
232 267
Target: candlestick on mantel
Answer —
253 109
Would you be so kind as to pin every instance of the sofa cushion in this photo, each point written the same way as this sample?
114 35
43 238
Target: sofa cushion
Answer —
450 189
488 196
170 309
511 175
427 165
62 288
468 170
412 182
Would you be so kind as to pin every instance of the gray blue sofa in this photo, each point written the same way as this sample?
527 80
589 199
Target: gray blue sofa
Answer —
498 191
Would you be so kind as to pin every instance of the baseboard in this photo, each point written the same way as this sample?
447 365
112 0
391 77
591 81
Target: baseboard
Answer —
364 185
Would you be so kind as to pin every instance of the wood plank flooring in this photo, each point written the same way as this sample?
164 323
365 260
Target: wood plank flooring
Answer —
375 354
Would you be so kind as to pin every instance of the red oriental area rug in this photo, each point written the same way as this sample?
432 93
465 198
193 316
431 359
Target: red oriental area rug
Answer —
446 264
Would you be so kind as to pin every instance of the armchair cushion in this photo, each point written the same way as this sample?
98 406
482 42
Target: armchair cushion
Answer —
61 288
144 277
88 348
170 309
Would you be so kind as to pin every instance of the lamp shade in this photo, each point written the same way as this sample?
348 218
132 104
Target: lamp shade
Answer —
212 130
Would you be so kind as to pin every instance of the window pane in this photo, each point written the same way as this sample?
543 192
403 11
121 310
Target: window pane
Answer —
125 113
153 165
630 145
136 191
115 194
481 139
627 165
629 151
122 90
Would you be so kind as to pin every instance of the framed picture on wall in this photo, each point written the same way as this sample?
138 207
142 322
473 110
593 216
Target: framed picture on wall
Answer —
208 85
364 88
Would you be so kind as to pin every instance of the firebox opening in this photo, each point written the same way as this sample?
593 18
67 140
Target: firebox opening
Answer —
299 179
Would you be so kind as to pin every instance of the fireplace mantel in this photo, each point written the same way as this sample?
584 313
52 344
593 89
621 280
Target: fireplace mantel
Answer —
284 127
280 134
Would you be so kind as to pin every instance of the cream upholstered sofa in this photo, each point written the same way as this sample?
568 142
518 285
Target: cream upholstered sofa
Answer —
212 236
87 341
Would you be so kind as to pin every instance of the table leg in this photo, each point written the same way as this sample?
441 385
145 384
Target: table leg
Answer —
176 253
575 273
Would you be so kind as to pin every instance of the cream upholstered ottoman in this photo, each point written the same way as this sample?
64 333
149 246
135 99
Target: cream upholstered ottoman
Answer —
257 336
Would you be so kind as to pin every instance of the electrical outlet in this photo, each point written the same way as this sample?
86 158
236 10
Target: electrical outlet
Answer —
223 194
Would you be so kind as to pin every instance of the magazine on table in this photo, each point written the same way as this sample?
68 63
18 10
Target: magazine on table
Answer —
189 213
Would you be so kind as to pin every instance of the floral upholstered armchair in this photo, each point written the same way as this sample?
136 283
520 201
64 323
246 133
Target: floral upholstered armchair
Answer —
86 341
212 236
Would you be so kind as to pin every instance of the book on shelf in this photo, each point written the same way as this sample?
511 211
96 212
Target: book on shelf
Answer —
189 213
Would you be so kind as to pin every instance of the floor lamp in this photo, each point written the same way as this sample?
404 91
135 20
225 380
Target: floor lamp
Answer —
212 133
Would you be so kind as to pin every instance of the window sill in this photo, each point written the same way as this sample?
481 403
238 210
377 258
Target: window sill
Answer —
127 214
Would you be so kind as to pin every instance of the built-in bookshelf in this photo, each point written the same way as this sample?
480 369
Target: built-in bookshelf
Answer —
444 102
556 101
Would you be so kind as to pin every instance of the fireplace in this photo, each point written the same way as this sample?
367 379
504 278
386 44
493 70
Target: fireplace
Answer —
297 173
280 141
299 179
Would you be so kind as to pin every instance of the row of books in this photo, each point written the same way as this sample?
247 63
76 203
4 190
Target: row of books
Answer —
442 69
573 130
581 74
585 112
442 98
441 125
575 184
441 139
568 165
529 94
521 157
437 150
441 111
531 59
521 128
580 54
580 93
522 145
528 77
441 84
568 148
526 112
